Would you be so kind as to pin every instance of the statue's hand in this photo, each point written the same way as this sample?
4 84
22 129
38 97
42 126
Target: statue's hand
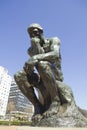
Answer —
29 66
29 69
35 41
31 62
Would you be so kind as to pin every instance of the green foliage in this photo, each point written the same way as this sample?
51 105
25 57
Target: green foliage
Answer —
4 122
20 123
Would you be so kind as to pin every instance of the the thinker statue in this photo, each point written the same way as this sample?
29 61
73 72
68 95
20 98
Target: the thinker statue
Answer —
45 58
55 105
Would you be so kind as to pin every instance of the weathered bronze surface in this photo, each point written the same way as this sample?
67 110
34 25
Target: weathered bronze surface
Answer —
55 98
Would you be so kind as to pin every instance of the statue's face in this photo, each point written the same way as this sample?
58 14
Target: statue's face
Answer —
35 33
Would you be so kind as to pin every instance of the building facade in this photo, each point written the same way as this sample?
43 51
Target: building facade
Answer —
5 84
18 100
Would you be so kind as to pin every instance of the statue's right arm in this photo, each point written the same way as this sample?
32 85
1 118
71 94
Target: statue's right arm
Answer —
53 54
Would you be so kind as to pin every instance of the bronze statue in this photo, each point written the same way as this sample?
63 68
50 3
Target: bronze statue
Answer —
45 57
43 72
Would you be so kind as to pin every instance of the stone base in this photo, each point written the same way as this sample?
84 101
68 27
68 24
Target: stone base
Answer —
67 116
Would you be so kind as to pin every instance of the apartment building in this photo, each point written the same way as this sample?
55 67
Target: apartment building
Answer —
5 84
18 100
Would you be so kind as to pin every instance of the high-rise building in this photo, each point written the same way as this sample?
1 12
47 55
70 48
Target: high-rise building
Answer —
17 101
5 84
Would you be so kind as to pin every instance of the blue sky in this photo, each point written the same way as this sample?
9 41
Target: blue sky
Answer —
66 19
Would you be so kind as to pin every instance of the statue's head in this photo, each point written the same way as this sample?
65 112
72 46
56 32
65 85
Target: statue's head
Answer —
35 30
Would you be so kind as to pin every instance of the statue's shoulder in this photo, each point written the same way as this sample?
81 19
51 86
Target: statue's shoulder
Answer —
54 40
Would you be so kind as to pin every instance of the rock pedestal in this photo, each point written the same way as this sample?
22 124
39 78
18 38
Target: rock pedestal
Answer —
68 114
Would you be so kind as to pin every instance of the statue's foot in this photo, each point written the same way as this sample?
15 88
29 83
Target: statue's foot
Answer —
53 109
49 113
36 118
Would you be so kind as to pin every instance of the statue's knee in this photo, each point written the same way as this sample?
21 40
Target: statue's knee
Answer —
18 76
